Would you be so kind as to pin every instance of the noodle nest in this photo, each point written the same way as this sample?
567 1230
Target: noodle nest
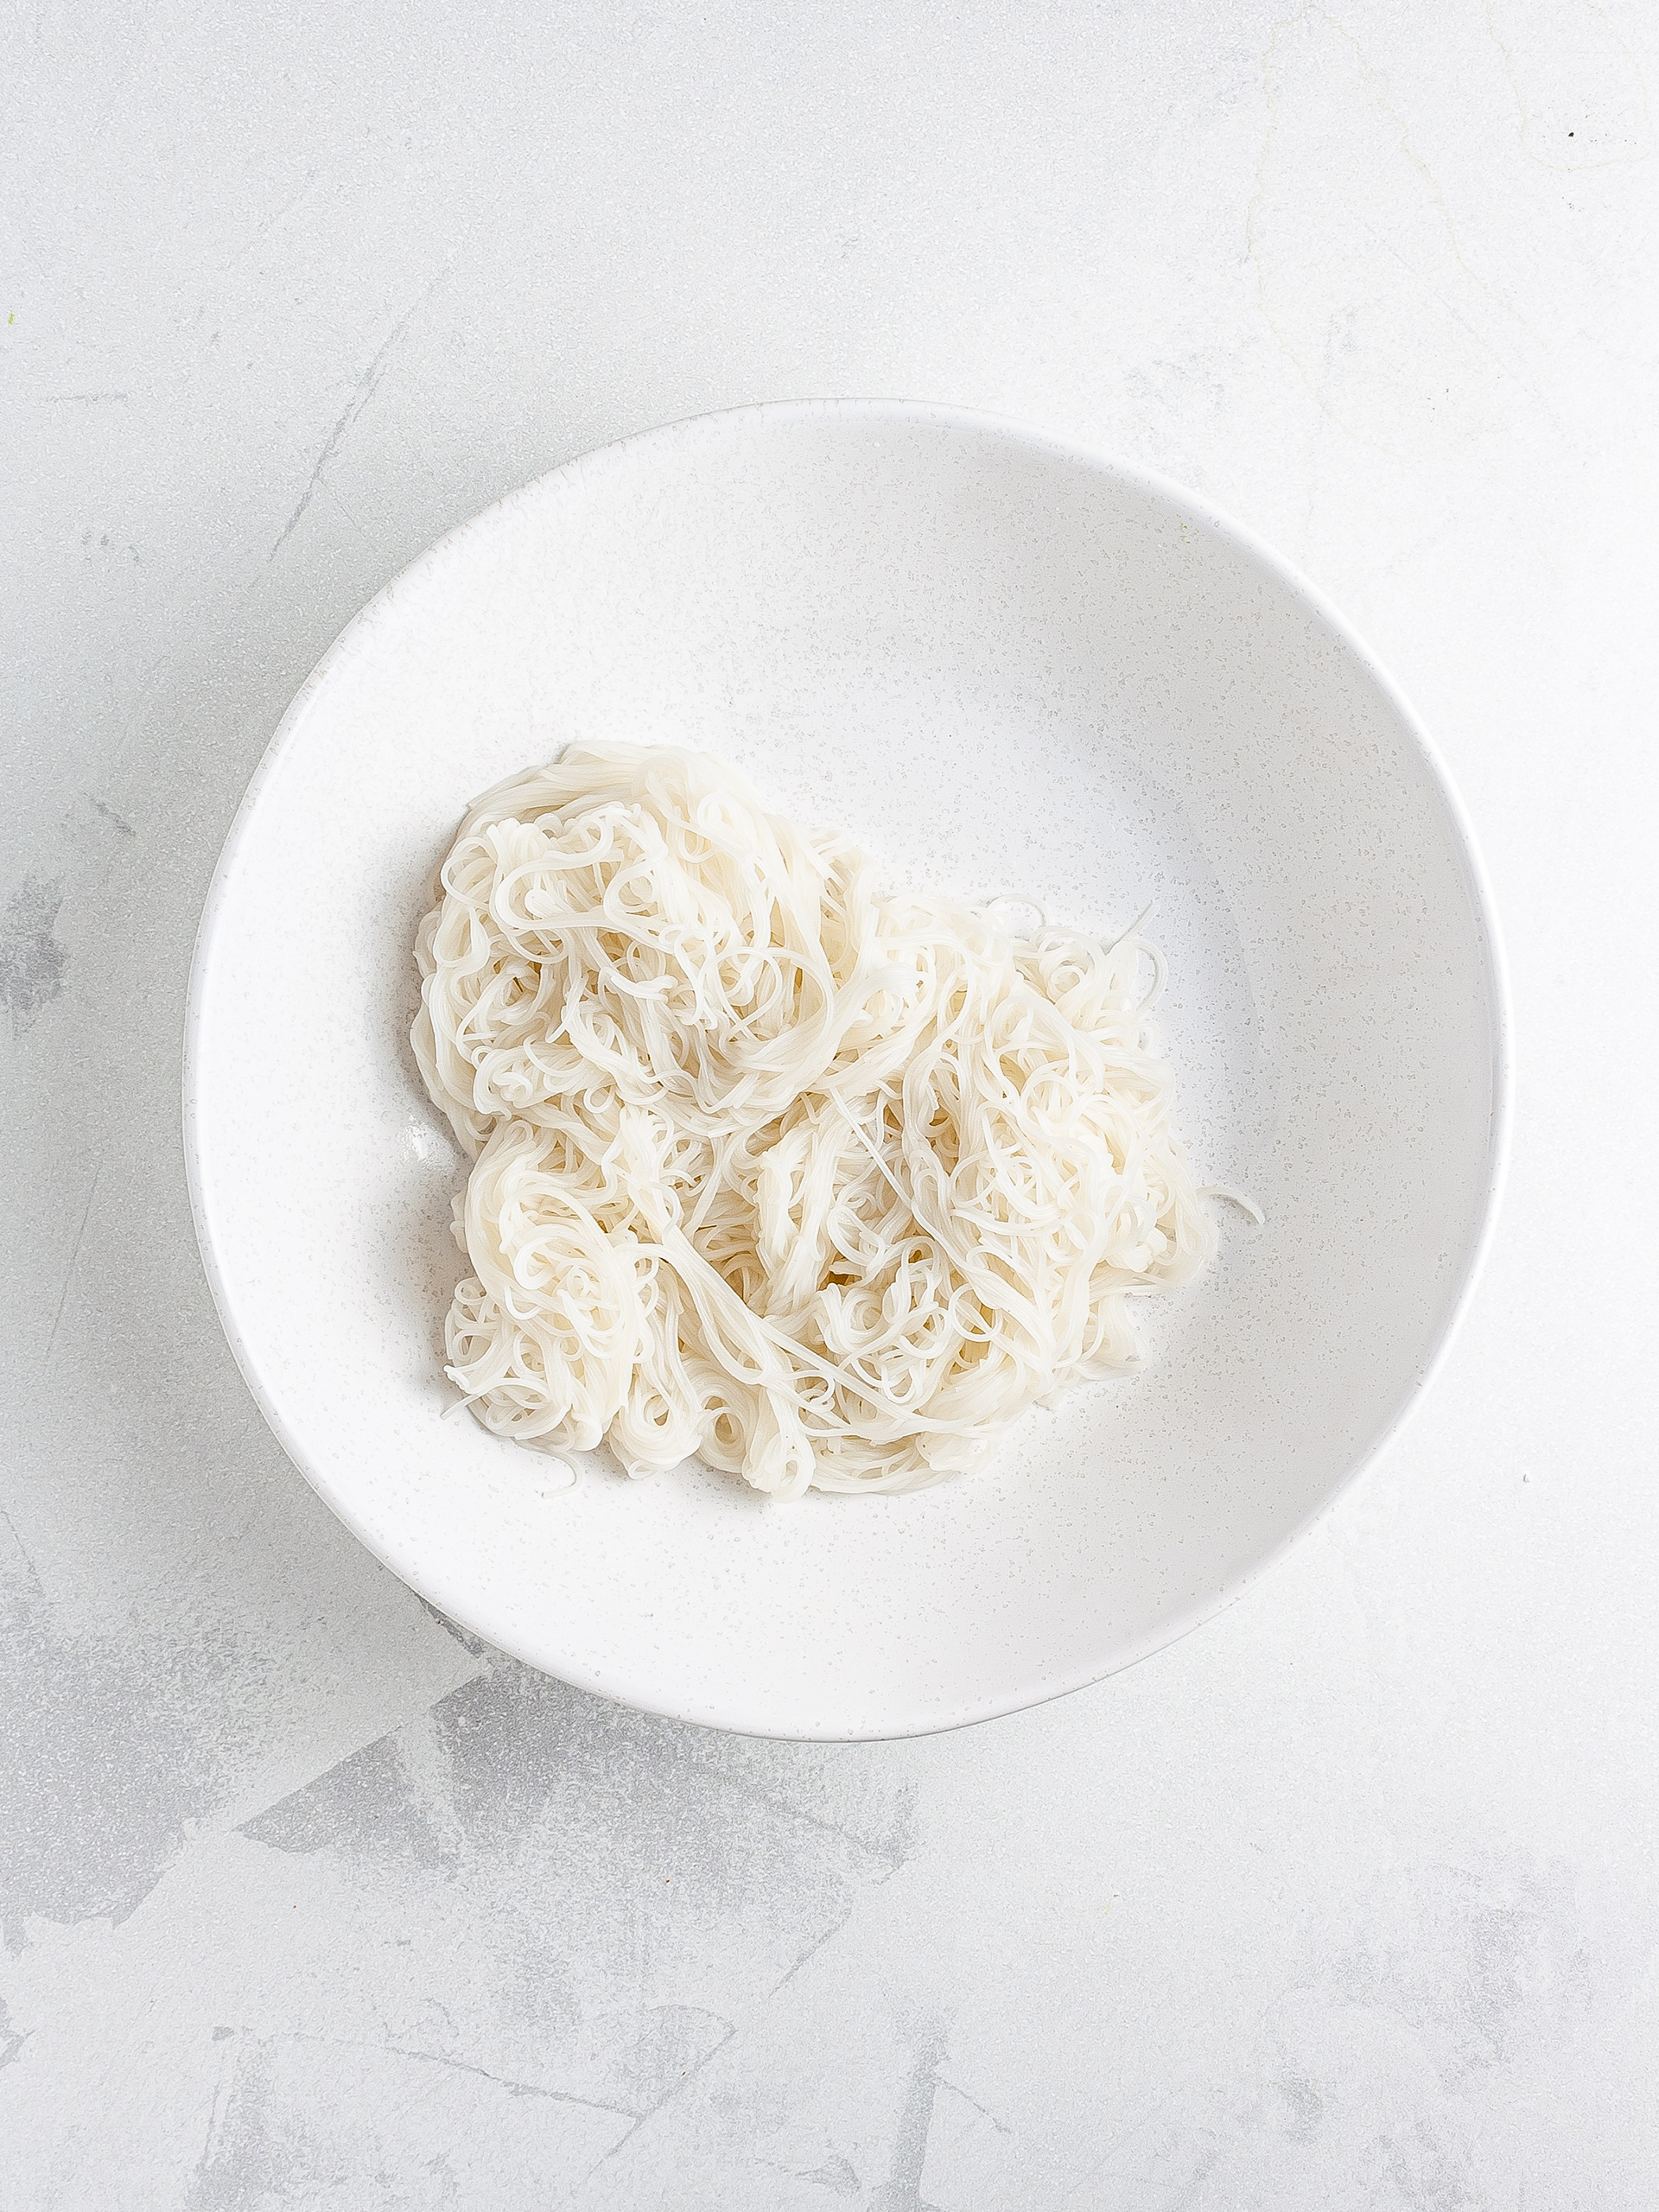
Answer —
822 1186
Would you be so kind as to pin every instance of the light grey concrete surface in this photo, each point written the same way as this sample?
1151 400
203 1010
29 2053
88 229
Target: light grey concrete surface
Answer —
1349 1900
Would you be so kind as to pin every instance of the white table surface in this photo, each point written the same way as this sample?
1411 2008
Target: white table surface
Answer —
1349 1900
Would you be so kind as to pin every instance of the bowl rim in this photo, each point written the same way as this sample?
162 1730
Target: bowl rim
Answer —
457 1606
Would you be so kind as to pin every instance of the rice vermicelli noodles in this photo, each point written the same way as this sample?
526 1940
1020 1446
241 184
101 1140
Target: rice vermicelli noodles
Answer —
821 1184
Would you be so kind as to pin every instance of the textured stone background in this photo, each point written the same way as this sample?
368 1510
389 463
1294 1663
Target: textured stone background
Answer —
1347 1901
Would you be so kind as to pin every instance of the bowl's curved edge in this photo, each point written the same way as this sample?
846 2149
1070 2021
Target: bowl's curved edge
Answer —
932 1720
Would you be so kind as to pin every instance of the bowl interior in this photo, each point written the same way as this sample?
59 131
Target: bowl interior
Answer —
1002 665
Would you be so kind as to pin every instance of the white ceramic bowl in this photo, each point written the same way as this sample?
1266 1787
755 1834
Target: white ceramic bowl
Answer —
1003 664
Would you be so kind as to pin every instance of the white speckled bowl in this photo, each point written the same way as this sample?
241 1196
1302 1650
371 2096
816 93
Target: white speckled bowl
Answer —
1001 664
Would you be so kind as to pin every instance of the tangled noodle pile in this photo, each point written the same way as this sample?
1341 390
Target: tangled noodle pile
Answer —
822 1186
